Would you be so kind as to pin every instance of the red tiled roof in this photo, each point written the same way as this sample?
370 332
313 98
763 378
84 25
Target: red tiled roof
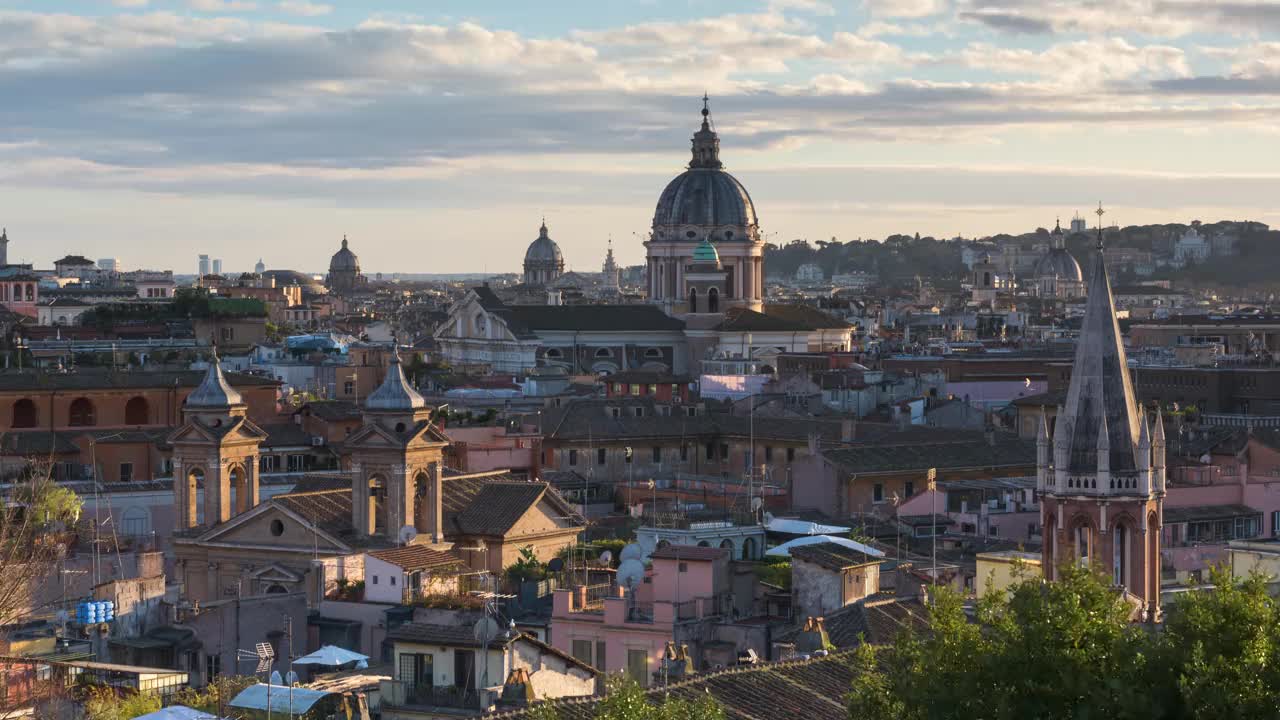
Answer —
688 552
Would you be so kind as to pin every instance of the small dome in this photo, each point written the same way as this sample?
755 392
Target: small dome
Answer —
544 249
706 253
395 392
344 260
214 391
1058 263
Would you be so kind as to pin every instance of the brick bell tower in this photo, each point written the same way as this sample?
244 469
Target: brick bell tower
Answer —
1101 477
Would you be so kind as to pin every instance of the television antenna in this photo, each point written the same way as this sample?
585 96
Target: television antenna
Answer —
262 652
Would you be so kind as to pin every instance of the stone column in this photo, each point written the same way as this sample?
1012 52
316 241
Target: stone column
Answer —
217 493
434 503
252 482
211 581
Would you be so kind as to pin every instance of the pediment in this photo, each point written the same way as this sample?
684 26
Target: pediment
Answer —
256 528
275 573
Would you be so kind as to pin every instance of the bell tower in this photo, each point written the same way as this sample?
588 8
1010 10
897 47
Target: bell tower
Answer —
217 448
397 464
1101 477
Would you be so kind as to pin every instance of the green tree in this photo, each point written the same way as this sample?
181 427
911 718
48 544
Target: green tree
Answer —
1220 650
1067 649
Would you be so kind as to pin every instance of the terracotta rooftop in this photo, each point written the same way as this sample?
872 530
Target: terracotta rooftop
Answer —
412 558
832 556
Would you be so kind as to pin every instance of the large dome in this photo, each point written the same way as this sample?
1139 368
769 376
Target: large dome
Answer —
344 260
544 249
1059 263
705 195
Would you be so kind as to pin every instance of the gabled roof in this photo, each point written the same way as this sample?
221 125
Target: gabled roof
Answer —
876 620
412 558
832 556
464 636
492 507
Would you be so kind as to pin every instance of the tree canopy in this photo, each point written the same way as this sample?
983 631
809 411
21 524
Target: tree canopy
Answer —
1067 649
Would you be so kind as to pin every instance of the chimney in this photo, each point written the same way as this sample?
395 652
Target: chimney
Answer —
924 594
517 690
813 637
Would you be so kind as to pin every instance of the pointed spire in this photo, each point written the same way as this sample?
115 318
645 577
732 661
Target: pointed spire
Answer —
1100 212
395 392
542 229
1104 453
1042 429
1144 445
214 391
1157 435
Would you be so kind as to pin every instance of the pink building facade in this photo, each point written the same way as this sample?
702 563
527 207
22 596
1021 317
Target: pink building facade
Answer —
685 592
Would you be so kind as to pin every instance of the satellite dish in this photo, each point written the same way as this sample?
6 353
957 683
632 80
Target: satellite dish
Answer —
606 558
555 564
485 631
631 551
408 534
292 677
768 518
630 573
275 678
757 503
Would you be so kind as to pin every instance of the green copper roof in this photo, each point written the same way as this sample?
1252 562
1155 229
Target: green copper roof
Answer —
706 252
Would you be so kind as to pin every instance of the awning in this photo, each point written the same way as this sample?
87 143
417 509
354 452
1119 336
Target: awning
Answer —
254 697
791 526
331 655
784 550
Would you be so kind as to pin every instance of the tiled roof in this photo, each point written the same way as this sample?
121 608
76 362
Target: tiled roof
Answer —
616 318
809 689
417 557
688 552
591 419
877 620
779 318
285 435
831 556
330 510
1200 513
497 506
332 410
976 452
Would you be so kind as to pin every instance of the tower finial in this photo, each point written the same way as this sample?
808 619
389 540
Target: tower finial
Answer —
344 241
1100 212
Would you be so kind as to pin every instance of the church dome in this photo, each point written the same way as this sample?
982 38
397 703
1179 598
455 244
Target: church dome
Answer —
543 249
705 194
344 260
1060 264
706 253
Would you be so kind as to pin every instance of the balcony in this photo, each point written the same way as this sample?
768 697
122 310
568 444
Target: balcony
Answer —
408 694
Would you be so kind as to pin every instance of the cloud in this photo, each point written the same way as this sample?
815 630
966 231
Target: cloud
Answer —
1082 65
905 8
130 3
1152 18
215 6
302 8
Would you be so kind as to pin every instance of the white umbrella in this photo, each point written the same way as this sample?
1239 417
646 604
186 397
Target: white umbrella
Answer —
784 550
177 712
331 655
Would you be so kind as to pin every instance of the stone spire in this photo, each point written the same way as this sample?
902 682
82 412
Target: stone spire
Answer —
395 393
214 391
1101 391
706 143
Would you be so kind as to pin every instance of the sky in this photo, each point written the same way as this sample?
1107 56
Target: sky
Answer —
435 134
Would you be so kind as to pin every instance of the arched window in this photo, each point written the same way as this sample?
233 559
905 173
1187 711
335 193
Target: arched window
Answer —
137 412
25 414
693 300
713 300
604 353
377 505
653 353
986 279
1120 563
82 414
554 354
276 589
749 549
